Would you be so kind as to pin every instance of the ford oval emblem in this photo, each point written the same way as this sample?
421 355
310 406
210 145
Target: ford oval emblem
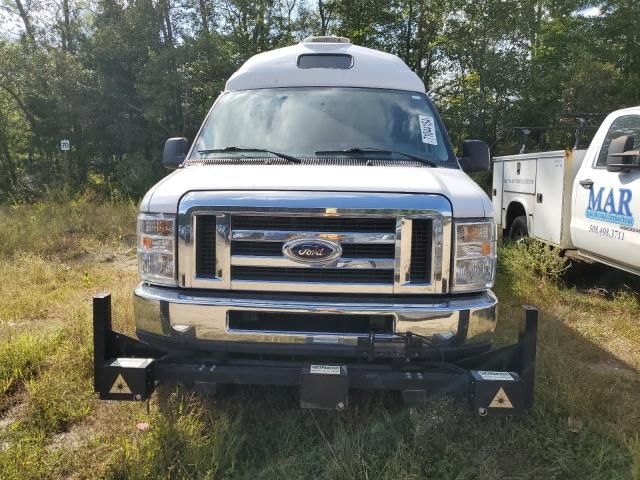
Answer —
305 250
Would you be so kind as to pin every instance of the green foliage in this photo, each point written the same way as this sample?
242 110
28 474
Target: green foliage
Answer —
60 395
257 434
65 227
20 359
119 80
531 262
191 439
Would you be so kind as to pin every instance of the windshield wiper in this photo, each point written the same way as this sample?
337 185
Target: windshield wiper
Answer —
234 148
431 163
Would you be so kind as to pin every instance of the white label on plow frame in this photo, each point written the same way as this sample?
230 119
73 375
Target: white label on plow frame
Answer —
496 376
428 130
325 369
325 339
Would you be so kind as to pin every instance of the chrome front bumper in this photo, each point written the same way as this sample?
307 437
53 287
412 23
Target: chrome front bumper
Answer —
199 320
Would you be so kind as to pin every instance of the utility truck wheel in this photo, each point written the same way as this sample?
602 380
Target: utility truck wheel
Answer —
518 231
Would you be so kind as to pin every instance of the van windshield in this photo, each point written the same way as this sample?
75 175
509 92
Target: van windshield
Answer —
311 122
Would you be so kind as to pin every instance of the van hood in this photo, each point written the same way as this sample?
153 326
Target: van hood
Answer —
468 200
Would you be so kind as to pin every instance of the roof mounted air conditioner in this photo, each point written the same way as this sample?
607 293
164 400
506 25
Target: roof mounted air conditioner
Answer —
326 39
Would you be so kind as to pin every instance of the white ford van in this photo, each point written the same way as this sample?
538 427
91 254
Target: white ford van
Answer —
320 232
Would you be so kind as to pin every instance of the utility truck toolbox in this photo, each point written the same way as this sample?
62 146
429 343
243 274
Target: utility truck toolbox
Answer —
319 233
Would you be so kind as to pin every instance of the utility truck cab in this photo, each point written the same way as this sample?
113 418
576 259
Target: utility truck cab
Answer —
319 224
586 202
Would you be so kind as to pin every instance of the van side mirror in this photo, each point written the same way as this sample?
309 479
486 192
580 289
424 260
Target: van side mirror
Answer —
174 153
475 156
620 155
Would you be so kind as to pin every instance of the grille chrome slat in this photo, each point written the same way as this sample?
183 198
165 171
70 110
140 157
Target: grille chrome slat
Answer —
312 275
309 224
346 263
286 235
312 287
349 250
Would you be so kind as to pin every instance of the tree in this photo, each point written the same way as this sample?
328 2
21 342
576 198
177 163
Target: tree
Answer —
118 77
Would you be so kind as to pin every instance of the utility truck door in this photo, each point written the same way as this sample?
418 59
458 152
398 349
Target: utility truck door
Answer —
547 216
606 210
496 192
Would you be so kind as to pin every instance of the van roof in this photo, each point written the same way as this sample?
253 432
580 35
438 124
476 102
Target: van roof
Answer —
370 68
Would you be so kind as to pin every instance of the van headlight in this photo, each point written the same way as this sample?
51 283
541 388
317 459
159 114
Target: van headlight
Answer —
156 248
474 264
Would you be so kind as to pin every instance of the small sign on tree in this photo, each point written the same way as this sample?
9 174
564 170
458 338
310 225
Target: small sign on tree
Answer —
65 145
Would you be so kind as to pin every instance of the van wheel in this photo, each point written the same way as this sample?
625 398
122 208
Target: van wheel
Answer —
518 231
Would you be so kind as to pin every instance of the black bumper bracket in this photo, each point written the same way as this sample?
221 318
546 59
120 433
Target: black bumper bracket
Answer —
497 382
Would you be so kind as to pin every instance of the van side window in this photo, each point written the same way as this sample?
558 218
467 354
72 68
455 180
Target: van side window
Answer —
627 125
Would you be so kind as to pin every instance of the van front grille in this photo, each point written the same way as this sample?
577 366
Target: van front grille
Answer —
384 243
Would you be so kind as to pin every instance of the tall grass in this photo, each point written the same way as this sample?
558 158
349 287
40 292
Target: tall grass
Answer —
65 228
20 359
531 263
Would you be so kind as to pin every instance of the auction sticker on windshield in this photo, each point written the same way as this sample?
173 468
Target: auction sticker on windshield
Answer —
428 130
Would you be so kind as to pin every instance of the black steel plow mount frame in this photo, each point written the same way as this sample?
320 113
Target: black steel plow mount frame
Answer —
497 382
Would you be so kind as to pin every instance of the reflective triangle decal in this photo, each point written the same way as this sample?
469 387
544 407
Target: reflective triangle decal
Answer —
120 386
501 400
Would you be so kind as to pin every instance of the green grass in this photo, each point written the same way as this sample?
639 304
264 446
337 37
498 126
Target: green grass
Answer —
65 229
20 359
585 423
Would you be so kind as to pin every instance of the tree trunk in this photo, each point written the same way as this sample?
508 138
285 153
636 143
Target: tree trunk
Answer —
258 30
30 118
8 165
170 44
408 43
166 18
204 16
28 27
67 42
324 18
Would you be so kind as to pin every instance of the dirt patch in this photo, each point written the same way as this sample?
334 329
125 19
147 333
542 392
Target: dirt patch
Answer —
625 351
77 436
123 257
610 367
11 415
124 261
599 279
95 427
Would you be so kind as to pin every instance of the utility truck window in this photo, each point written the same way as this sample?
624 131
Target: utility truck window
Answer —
627 125
324 122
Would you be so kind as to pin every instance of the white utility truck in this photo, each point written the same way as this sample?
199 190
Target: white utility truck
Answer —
319 232
583 201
